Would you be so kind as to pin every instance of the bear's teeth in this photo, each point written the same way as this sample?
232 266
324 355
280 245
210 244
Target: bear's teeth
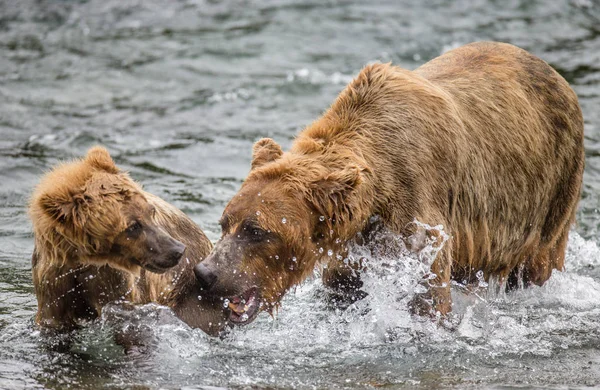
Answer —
236 308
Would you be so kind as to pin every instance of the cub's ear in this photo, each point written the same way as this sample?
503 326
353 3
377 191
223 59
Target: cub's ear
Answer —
63 208
98 157
331 195
265 150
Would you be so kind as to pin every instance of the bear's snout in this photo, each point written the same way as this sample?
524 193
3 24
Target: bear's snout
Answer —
206 278
176 252
166 256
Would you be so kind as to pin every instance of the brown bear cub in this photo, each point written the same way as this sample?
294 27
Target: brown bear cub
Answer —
486 140
99 237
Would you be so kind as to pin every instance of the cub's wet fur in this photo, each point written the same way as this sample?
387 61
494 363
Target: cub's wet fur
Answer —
99 237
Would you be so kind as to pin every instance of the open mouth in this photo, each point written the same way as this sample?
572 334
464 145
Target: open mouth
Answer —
244 308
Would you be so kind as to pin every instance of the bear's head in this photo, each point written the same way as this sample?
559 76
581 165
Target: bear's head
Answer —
293 210
88 211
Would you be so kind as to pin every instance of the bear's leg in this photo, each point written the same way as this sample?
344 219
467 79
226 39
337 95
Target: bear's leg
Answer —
440 285
62 301
343 281
437 296
538 268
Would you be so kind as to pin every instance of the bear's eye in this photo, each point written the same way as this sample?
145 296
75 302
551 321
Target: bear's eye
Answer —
318 236
254 233
134 228
257 234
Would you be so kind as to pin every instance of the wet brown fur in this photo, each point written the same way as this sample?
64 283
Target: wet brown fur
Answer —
486 140
79 211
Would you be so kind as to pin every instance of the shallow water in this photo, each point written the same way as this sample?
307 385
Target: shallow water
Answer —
179 91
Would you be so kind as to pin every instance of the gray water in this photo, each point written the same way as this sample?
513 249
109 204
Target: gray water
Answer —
179 90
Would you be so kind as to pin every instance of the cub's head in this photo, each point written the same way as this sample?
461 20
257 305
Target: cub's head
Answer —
88 211
292 211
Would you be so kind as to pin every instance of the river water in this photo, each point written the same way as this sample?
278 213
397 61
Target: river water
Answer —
179 90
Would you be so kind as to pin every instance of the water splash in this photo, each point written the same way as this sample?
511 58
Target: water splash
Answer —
376 340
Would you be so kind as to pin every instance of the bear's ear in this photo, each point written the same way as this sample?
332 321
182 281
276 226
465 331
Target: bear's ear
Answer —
265 150
98 157
63 208
331 195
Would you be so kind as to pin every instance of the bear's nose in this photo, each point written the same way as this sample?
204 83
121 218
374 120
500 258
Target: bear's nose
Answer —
177 251
205 277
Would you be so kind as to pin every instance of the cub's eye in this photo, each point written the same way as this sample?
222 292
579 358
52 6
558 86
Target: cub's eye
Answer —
134 228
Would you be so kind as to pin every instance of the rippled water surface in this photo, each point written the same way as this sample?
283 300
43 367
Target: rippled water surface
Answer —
179 90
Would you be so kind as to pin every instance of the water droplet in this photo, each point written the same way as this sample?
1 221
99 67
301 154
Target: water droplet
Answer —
244 317
276 257
329 253
320 250
283 220
259 194
258 213
226 303
199 297
294 259
322 218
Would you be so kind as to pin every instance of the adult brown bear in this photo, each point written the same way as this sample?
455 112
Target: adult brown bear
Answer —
486 140
99 238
